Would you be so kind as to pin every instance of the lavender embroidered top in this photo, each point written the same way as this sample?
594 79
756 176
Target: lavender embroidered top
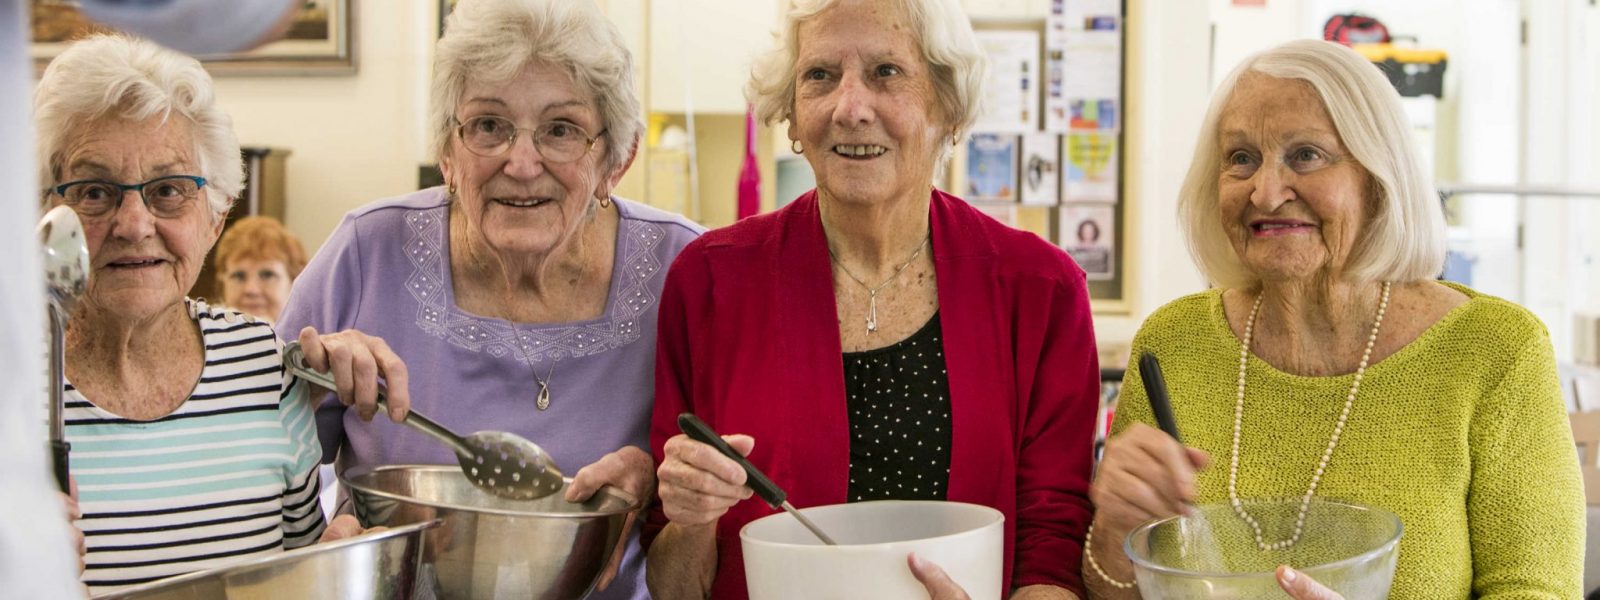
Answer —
386 272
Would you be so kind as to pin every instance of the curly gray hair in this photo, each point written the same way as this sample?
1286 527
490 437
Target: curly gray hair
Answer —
495 39
943 32
135 79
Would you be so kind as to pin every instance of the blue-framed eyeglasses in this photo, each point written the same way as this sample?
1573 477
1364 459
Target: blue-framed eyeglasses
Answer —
166 197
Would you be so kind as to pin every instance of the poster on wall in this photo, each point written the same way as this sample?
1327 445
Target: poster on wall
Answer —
1041 169
1011 95
1092 62
992 167
1055 68
1089 167
1088 232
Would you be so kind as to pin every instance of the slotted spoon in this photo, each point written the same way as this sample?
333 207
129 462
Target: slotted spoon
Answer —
501 463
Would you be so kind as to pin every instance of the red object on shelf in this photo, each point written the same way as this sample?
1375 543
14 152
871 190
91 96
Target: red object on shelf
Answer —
750 176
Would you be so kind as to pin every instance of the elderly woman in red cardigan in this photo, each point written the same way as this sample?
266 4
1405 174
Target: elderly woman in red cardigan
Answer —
879 338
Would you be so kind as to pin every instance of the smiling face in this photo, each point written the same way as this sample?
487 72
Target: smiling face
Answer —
519 203
865 110
140 264
1291 197
255 286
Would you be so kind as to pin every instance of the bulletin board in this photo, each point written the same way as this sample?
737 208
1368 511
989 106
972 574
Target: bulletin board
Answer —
1047 153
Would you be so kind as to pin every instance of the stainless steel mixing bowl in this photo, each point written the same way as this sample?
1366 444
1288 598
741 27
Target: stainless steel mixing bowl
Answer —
377 566
493 547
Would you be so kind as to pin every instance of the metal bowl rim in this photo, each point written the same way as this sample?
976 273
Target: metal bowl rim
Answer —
633 504
1387 515
313 549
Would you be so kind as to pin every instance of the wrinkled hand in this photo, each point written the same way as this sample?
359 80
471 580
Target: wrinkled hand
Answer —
699 484
1144 475
939 585
344 526
74 512
357 360
629 469
1301 587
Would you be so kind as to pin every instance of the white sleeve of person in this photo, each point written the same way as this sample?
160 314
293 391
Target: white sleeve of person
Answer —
193 26
36 561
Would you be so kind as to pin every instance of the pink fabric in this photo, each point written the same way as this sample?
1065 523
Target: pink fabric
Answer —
750 176
749 342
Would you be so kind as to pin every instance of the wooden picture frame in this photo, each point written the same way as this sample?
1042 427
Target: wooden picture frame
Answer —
321 41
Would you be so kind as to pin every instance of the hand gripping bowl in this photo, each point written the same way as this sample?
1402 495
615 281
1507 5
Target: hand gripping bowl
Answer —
784 561
381 565
493 547
1213 554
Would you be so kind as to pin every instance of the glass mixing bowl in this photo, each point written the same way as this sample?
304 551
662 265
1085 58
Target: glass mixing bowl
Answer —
1213 553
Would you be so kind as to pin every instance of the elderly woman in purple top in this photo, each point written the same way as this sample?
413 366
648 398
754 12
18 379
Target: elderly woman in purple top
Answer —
522 294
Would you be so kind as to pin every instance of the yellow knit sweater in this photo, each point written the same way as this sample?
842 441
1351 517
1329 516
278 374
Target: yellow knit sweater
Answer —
1462 433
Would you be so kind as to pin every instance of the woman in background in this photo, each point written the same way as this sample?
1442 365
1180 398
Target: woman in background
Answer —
256 261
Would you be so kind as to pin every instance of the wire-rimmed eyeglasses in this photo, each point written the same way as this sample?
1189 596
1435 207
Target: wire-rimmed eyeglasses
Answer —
558 141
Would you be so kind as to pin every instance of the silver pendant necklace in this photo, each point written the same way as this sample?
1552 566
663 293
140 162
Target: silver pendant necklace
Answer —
872 291
543 402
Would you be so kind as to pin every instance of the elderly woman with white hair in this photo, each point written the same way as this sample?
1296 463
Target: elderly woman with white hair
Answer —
1359 378
522 294
191 448
881 339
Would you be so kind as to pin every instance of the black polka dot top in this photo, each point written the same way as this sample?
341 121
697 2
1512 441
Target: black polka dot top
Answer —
899 402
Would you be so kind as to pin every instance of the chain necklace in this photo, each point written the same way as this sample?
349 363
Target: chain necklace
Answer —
543 402
1333 441
872 291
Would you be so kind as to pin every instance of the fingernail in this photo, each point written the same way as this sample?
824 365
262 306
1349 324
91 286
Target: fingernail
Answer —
916 561
1289 575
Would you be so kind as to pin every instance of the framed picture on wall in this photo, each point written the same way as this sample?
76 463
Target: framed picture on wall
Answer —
320 40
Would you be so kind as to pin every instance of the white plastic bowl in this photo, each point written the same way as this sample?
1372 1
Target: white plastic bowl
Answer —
784 561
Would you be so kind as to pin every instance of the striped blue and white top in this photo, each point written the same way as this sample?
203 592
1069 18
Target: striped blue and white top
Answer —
230 474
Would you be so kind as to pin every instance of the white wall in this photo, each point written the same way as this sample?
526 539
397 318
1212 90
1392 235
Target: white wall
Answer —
353 139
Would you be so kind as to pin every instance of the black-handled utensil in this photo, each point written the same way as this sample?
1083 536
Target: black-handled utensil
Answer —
774 496
59 452
1155 387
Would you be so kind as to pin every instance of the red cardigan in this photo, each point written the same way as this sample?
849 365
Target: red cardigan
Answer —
749 342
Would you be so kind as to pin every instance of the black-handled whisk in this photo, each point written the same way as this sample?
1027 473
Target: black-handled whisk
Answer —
1155 387
775 497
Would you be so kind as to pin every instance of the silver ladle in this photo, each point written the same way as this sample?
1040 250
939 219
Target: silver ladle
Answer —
66 275
501 463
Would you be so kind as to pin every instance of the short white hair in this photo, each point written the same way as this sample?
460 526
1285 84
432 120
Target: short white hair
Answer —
958 65
1403 239
130 78
493 40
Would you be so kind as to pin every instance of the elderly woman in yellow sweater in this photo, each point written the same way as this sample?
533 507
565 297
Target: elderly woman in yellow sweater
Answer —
1327 361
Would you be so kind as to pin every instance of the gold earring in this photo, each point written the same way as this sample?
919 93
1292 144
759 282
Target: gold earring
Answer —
452 188
605 202
795 146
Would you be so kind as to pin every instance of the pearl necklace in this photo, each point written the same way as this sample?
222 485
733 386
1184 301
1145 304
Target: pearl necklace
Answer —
1333 441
